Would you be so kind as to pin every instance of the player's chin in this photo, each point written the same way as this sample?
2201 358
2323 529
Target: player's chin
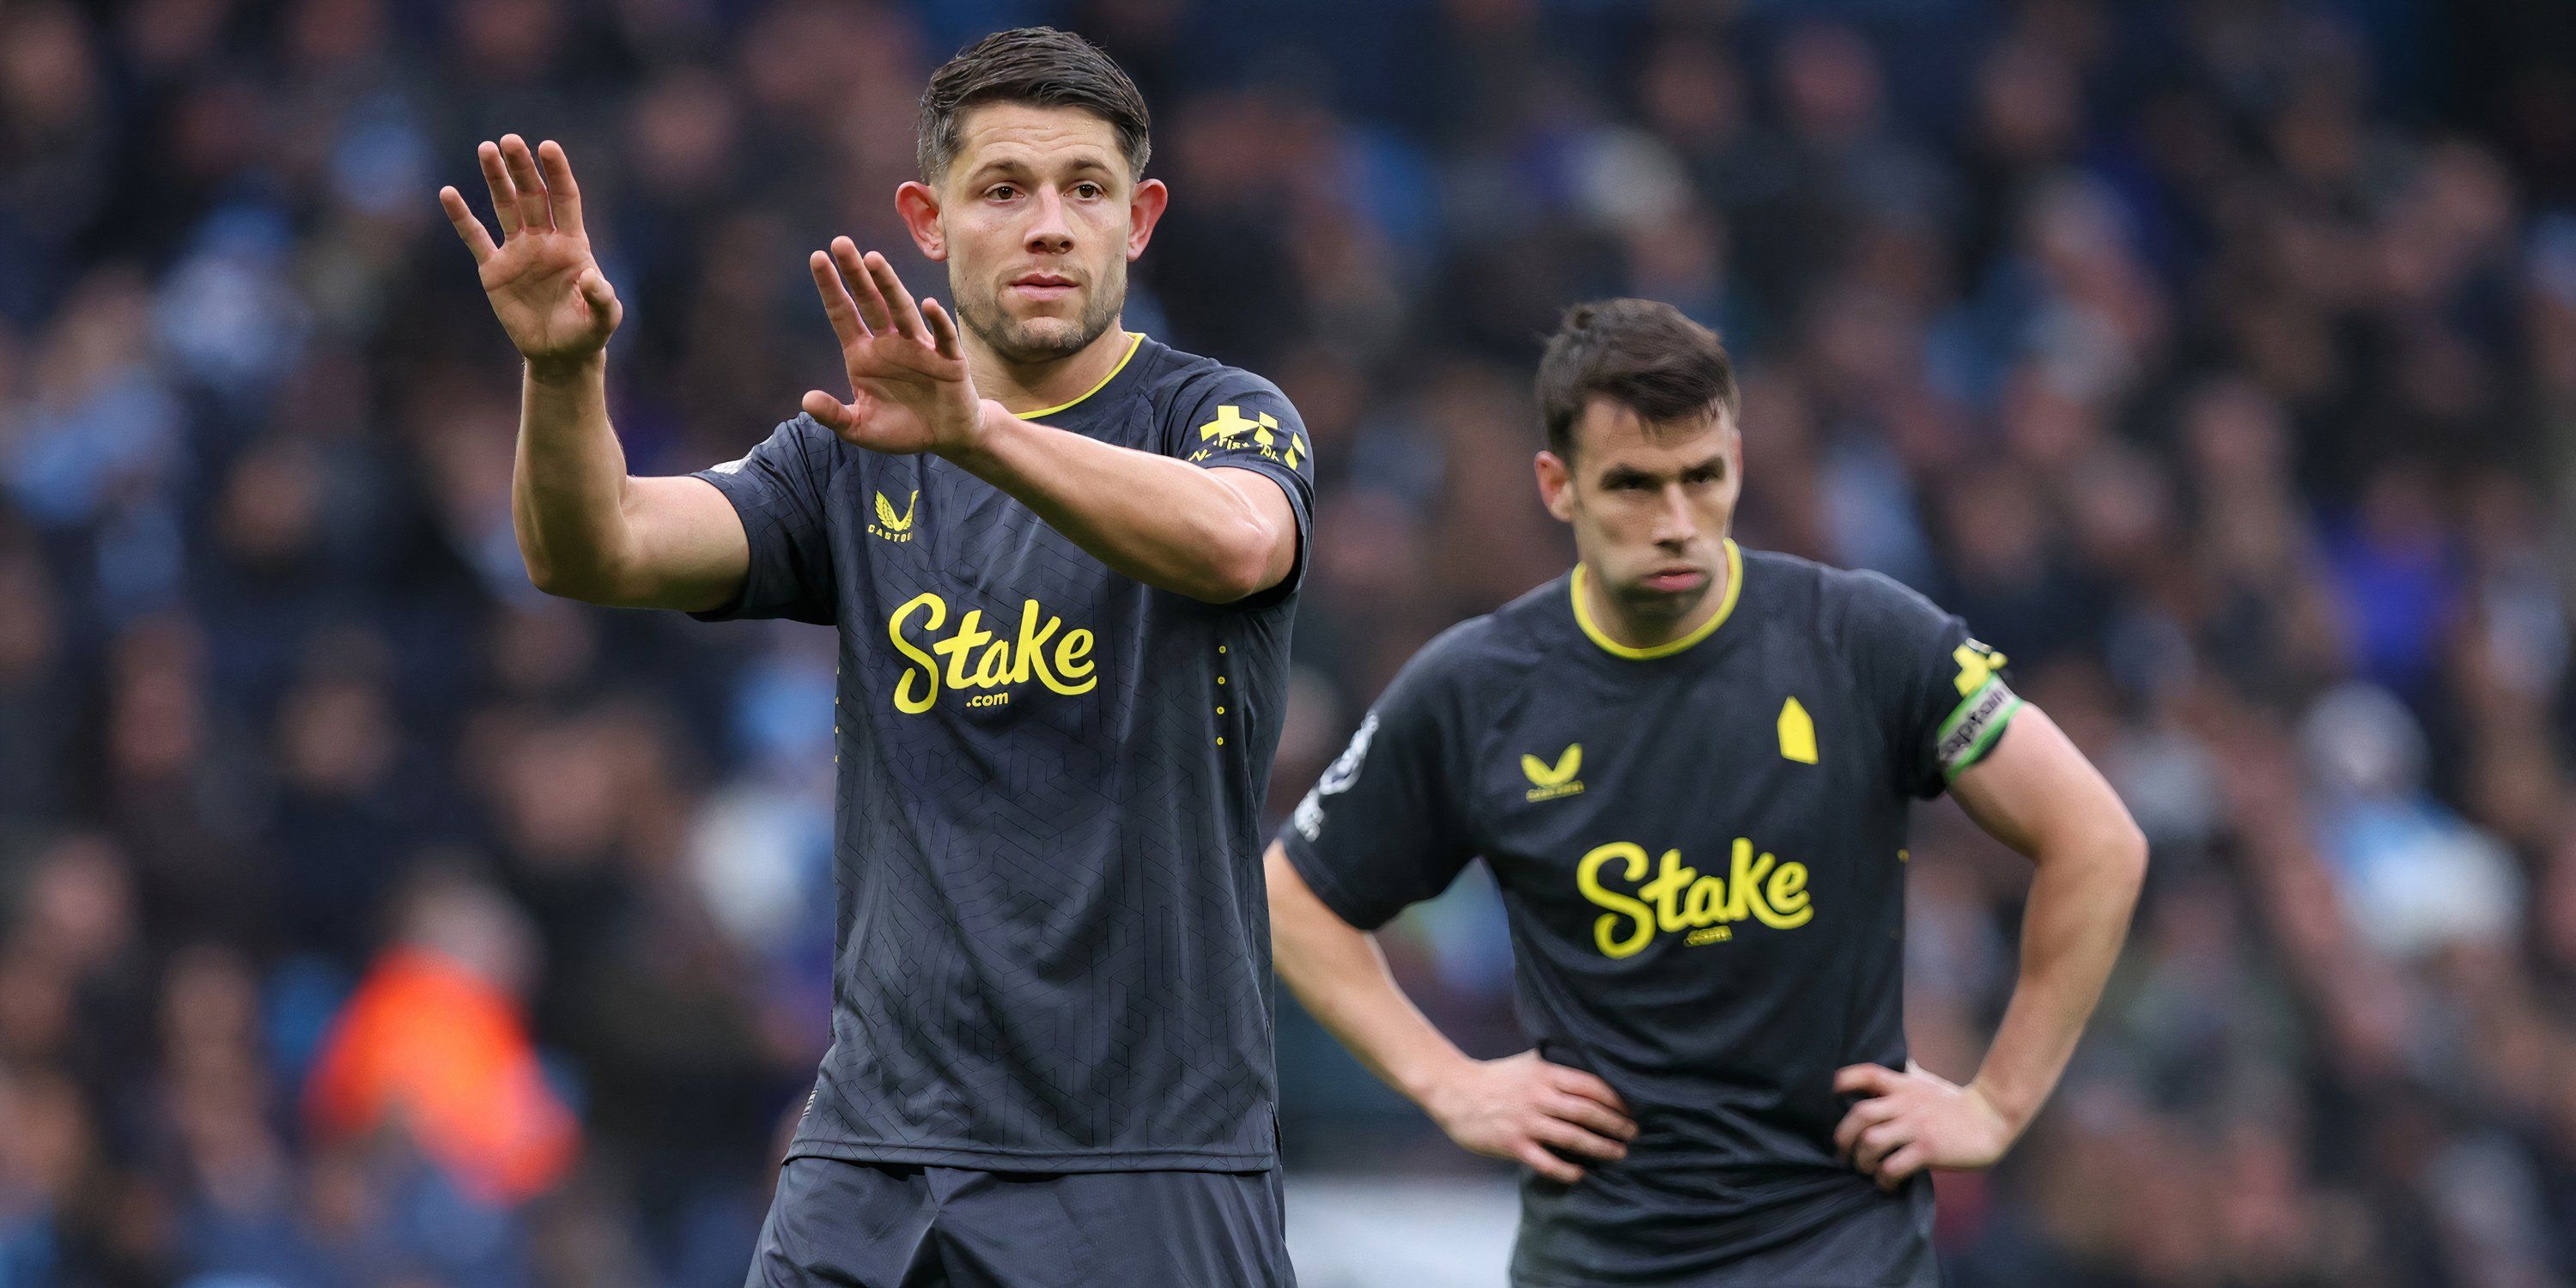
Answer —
1048 328
1034 338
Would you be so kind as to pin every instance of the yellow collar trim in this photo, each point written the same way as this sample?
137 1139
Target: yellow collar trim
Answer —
1725 609
1135 341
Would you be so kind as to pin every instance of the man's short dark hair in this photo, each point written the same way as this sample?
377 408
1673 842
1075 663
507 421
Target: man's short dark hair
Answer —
1038 66
1641 354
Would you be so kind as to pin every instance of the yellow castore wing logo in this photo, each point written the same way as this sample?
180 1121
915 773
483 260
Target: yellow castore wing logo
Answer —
1547 782
893 526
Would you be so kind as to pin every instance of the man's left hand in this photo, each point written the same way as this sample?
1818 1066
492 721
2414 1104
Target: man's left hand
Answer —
1909 1121
909 388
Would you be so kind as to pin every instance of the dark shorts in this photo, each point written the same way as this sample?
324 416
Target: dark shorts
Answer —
883 1225
1877 1241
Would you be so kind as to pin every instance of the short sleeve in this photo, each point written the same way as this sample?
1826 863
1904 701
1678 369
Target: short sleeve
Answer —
1384 826
1242 421
779 490
1940 690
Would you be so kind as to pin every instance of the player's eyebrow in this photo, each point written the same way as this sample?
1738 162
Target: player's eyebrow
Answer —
1001 167
1088 166
1012 166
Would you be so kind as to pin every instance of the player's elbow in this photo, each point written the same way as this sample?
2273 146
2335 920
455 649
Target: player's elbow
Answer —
544 574
1238 566
589 567
584 584
2122 852
550 576
1244 579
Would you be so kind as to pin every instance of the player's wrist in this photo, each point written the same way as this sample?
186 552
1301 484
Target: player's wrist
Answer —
556 371
1434 1081
983 445
2009 1113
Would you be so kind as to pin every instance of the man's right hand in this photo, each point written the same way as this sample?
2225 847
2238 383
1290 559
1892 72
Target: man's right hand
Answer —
556 305
1518 1106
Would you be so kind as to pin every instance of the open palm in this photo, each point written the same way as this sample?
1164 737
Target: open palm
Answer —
543 282
909 387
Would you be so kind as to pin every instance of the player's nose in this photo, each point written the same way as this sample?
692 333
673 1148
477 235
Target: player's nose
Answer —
1049 231
1676 523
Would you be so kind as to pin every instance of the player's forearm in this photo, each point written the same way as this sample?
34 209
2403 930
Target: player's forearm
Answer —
1162 521
2077 916
568 486
1347 987
1341 978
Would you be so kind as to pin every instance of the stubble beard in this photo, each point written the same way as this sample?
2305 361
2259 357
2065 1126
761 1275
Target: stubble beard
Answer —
1020 342
1661 608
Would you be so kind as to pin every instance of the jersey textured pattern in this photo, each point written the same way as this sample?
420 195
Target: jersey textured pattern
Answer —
1054 944
1701 856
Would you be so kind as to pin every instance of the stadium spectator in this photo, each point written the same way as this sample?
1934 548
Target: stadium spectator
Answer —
2218 360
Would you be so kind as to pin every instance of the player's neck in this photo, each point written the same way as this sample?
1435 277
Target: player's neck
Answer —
1025 387
1630 631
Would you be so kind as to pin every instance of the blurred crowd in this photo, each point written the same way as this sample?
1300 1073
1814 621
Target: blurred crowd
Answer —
368 919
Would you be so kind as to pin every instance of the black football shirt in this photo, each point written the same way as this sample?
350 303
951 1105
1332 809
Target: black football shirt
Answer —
1701 851
1054 941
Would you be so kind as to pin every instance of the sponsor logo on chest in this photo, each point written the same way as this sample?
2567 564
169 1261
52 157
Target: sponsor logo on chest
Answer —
1643 897
982 665
1704 908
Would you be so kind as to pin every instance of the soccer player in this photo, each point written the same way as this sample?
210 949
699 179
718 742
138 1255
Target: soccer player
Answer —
1689 766
1062 559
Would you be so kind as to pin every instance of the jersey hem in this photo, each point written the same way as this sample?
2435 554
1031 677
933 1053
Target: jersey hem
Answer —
1288 480
1014 1160
1324 884
746 502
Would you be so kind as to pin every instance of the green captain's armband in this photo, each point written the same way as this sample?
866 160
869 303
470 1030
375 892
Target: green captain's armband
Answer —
1986 705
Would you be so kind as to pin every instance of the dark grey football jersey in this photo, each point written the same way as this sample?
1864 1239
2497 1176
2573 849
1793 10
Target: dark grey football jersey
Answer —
1701 850
1054 942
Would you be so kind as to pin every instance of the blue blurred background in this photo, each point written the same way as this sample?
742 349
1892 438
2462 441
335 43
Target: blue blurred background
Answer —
368 919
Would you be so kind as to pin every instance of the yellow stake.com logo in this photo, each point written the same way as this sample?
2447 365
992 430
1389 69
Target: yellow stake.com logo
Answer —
1680 898
956 662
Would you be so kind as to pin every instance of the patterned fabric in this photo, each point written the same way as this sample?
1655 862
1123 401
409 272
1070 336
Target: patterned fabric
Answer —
1055 947
1701 854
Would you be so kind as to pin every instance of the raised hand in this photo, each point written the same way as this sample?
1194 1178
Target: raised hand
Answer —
1906 1122
545 286
909 389
1518 1106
